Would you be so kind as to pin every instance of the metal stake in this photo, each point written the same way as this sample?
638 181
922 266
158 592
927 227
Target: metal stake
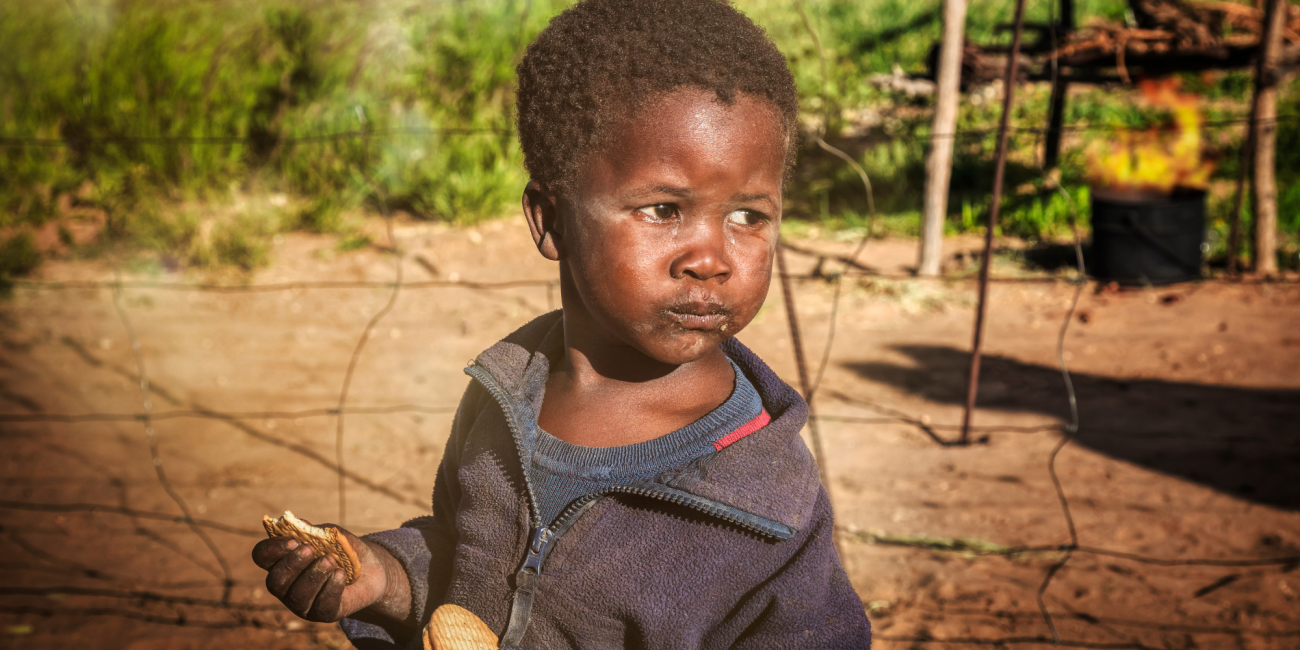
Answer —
999 170
814 428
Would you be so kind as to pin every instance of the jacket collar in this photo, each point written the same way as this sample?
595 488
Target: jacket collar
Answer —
769 473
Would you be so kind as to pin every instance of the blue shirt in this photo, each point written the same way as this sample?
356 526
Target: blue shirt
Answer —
561 472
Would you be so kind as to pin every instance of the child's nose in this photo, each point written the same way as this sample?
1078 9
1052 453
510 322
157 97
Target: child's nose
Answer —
703 254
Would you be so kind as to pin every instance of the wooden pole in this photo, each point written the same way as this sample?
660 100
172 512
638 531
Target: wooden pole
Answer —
1264 185
801 364
938 166
1243 165
1060 89
999 171
1055 122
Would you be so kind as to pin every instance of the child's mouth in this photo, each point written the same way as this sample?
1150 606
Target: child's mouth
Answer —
699 315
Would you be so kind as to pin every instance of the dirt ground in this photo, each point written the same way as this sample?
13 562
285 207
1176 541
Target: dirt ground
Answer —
1189 447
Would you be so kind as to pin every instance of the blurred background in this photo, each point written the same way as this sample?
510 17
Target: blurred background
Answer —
247 247
200 130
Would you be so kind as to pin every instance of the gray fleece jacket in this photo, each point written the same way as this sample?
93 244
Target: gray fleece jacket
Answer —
732 550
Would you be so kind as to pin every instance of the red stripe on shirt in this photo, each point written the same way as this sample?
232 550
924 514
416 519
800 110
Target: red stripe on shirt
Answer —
745 429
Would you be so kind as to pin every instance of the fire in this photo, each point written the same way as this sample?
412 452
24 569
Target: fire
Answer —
1159 159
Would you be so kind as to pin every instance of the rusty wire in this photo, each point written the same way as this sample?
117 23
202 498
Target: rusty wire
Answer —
156 456
341 418
74 418
274 286
148 416
1069 429
967 134
475 285
237 418
810 386
814 430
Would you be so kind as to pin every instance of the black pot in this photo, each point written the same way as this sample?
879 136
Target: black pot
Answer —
1146 238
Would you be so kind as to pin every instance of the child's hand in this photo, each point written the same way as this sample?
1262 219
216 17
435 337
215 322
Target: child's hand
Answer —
316 589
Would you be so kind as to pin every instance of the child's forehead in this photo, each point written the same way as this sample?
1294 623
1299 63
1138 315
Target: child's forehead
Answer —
691 150
689 104
690 118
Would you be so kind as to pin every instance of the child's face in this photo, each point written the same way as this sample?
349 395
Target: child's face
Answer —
668 237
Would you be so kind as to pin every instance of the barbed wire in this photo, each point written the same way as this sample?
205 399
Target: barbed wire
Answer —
238 419
75 418
40 285
199 410
130 512
277 286
1019 640
1071 428
399 257
352 134
375 134
179 619
895 416
1100 128
1068 430
1124 622
227 580
147 596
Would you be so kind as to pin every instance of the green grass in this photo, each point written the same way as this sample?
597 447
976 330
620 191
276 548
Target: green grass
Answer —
18 256
894 157
271 80
860 38
426 92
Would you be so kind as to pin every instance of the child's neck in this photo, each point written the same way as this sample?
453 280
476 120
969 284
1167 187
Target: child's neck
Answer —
604 393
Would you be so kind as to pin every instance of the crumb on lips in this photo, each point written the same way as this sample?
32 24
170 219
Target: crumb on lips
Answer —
714 319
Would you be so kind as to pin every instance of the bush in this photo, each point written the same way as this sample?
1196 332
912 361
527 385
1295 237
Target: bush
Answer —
349 106
18 256
187 99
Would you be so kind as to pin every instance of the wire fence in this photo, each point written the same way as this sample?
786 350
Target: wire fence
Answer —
226 612
374 134
199 612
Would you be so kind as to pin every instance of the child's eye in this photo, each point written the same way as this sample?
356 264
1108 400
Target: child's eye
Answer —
744 217
660 211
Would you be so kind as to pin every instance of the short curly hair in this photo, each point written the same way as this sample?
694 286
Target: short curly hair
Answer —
598 61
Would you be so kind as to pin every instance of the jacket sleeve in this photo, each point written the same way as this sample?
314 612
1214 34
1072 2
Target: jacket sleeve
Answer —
809 602
424 546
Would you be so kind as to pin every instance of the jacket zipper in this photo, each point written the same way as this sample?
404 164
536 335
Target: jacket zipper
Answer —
507 406
544 537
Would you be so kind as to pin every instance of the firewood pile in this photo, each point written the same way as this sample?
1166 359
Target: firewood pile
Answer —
979 68
1215 30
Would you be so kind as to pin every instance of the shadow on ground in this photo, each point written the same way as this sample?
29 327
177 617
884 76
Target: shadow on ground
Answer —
1240 441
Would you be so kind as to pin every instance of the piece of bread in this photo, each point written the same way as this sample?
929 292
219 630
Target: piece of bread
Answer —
453 627
325 540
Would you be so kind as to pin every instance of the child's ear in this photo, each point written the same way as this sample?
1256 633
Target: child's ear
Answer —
541 209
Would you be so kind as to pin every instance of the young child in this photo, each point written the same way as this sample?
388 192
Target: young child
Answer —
623 473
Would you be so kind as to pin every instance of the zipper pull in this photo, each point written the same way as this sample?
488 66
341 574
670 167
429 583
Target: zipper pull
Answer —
525 587
536 550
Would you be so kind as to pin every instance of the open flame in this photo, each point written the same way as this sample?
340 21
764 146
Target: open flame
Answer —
1160 159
